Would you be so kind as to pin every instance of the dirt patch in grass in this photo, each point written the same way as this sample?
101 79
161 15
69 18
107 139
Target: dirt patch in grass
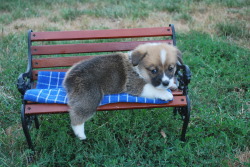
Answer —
199 17
91 22
14 131
243 159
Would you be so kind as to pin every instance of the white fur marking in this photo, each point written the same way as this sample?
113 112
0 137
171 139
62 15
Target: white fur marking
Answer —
172 85
163 56
171 82
153 44
150 91
130 54
79 131
165 78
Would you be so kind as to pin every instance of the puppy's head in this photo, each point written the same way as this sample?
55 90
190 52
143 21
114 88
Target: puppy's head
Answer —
156 63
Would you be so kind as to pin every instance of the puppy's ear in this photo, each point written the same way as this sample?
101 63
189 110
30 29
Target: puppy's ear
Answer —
179 56
137 56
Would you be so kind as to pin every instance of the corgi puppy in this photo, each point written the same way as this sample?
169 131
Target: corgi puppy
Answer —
146 71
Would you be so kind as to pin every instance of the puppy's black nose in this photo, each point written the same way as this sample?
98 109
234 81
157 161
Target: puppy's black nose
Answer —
165 83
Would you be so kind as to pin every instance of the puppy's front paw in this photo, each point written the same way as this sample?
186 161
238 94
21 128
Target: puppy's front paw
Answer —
165 95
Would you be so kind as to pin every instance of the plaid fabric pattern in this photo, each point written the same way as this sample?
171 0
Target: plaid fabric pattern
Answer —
50 90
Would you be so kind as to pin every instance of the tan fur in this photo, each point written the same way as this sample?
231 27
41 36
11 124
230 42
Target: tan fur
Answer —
152 59
87 81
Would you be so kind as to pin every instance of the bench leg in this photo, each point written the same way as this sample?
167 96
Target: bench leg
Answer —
176 110
26 121
36 122
185 116
185 113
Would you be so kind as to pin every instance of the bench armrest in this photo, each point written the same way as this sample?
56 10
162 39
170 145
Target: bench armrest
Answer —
25 80
183 75
23 83
186 75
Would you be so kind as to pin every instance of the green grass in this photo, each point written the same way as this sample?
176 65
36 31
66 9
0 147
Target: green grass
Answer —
119 9
227 3
70 13
18 9
235 29
218 132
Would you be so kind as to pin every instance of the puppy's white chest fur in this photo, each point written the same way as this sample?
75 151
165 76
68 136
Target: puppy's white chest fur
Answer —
150 91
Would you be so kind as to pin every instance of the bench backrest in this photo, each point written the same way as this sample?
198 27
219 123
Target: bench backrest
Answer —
58 50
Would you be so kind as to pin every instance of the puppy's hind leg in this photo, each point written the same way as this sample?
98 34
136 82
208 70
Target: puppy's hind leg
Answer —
78 119
79 131
82 108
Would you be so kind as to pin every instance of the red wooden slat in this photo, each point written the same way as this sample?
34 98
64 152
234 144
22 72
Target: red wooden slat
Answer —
57 61
178 101
88 47
101 34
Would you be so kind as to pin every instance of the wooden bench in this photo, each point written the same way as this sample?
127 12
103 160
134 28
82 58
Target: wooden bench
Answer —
57 51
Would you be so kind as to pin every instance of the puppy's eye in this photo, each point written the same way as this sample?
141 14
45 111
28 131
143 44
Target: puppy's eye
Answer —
154 71
170 69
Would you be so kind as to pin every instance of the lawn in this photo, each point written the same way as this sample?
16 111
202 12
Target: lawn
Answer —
214 38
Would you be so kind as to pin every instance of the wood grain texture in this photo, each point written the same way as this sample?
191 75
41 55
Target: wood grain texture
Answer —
89 47
101 34
179 101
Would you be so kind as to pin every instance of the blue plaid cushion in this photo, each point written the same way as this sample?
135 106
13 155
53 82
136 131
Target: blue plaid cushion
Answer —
50 90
